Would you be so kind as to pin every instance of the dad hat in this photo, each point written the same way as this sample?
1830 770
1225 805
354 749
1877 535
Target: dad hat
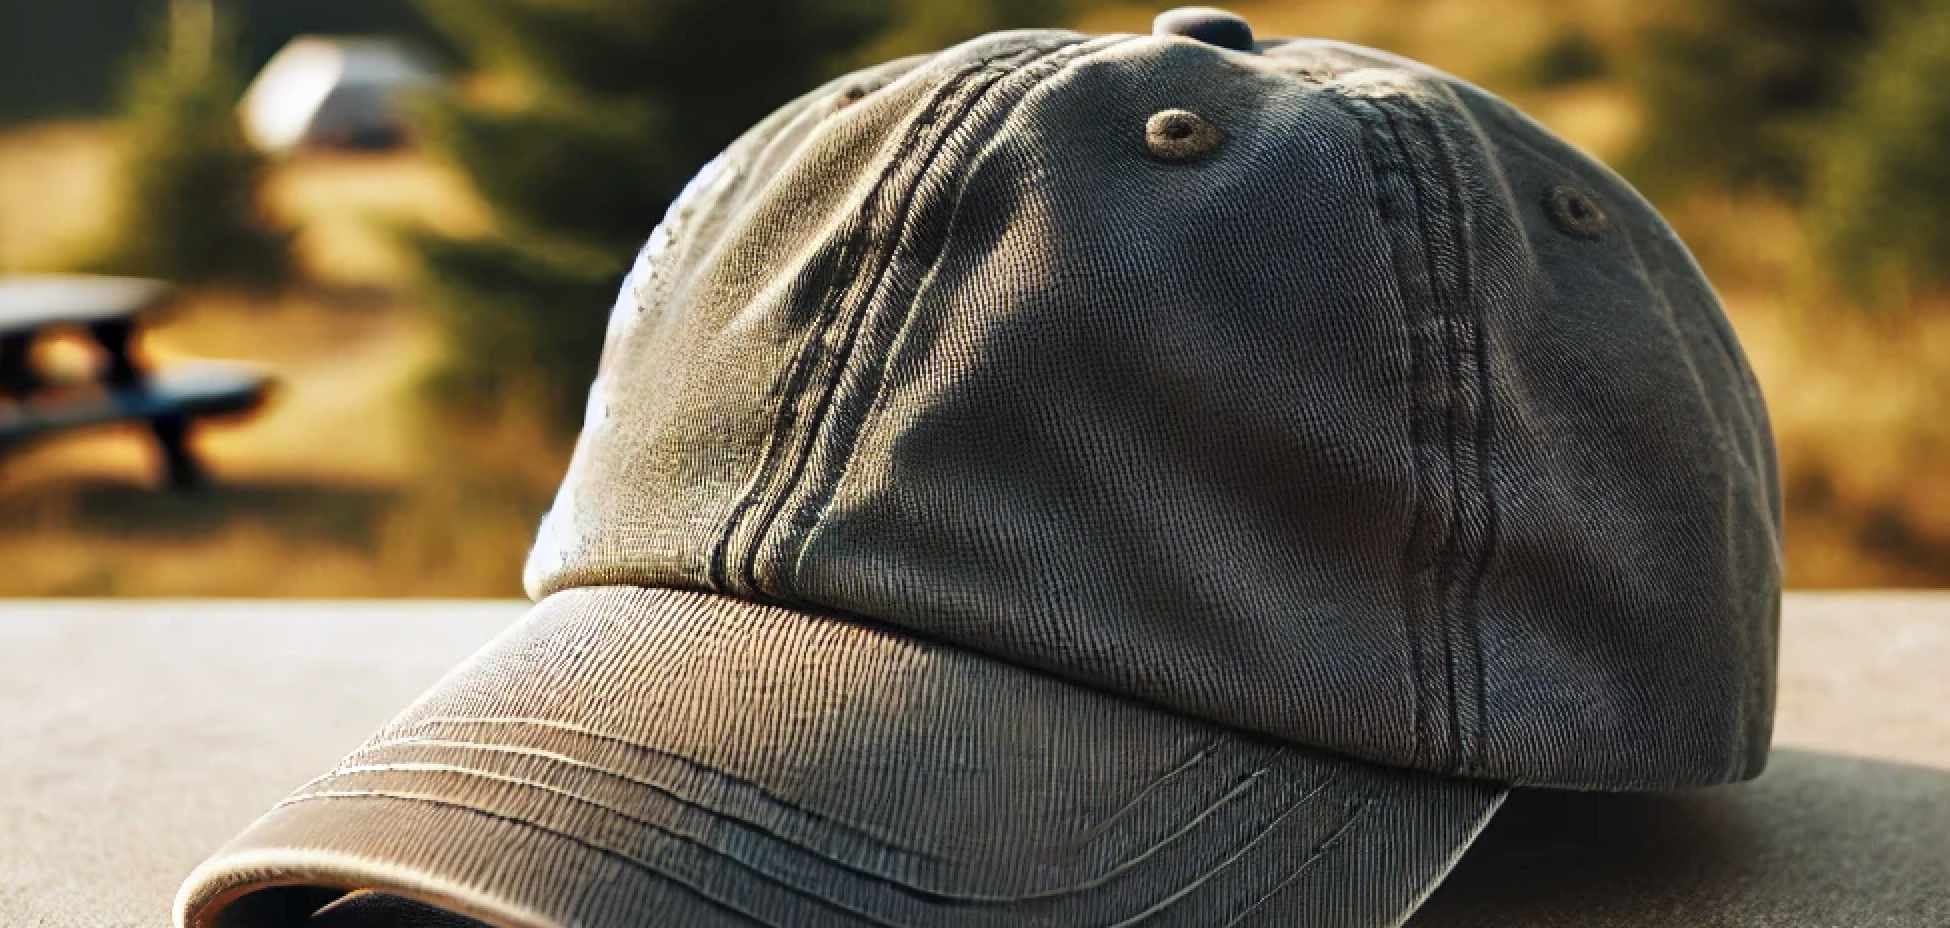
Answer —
1094 481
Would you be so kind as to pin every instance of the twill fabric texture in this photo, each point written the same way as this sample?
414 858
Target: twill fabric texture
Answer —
1094 481
867 779
1330 436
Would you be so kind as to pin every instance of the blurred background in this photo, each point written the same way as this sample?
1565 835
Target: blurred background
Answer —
415 213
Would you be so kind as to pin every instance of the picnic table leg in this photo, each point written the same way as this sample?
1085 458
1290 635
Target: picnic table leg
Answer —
180 467
17 377
113 336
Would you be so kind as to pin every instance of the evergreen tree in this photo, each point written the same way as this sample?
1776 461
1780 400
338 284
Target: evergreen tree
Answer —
62 60
1882 207
605 108
189 208
1737 91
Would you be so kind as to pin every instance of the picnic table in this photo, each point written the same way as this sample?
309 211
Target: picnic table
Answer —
110 311
136 737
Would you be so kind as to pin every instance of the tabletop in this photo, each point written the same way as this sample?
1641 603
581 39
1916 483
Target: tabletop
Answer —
136 737
29 302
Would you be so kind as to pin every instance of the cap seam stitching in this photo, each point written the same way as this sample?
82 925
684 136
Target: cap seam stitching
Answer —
1334 842
996 70
906 886
1091 833
1458 342
854 249
1470 348
820 501
717 570
569 761
1313 855
600 848
1447 553
1378 132
925 896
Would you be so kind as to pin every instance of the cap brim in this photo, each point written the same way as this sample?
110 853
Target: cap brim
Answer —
625 756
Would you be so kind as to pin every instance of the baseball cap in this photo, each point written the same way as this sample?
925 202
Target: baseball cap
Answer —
1133 480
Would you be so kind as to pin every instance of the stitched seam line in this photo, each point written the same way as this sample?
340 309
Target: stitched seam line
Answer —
1449 560
622 856
909 888
1191 763
1470 484
1468 628
814 508
1198 758
923 895
785 467
791 388
1388 160
577 763
1461 561
1332 843
802 454
1223 865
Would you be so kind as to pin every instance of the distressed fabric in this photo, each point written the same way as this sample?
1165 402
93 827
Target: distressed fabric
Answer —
977 456
718 763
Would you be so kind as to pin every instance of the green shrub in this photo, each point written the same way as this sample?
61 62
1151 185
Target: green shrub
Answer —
524 324
1570 57
623 99
910 27
189 207
63 59
617 103
1737 91
1883 205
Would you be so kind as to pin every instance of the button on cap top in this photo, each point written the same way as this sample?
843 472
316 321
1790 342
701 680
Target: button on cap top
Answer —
1205 24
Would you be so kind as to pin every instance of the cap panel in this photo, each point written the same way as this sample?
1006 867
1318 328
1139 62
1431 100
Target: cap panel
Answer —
1627 615
1634 567
1328 434
625 754
1432 200
702 370
1147 423
1631 436
866 310
1636 592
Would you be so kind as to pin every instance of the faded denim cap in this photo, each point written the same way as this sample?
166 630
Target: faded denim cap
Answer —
1079 481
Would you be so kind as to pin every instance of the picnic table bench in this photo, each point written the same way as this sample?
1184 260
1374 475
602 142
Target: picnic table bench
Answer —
110 311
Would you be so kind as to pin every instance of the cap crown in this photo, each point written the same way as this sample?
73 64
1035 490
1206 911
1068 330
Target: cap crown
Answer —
1378 419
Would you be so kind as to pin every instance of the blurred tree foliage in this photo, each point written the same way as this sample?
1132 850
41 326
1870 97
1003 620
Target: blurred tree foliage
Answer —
605 109
909 27
63 59
189 207
1883 207
1737 92
1572 56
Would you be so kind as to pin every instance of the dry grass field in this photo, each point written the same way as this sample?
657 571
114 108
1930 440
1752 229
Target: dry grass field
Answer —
346 484
349 485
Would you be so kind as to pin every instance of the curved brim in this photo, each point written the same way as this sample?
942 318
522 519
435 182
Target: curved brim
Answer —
630 757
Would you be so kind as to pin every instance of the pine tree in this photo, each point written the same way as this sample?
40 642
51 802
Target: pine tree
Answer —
189 207
1885 192
1738 91
604 109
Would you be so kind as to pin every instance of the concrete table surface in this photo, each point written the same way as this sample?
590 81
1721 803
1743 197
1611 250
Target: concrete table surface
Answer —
136 737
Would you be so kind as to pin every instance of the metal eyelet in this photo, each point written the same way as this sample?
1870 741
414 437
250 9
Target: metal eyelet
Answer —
1576 213
1181 136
